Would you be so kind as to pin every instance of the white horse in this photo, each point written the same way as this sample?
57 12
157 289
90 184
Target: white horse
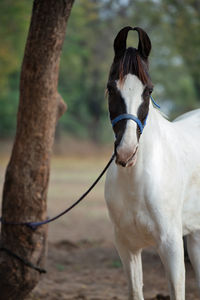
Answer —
152 189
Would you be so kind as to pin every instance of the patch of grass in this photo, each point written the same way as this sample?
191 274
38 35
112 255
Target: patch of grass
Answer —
116 264
60 267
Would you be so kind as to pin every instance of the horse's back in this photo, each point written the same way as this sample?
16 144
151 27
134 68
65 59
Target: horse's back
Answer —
192 117
187 128
189 125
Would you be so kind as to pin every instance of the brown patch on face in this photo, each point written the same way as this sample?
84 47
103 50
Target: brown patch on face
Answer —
117 107
144 107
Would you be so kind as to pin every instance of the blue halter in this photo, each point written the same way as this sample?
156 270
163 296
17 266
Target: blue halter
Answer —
133 118
128 117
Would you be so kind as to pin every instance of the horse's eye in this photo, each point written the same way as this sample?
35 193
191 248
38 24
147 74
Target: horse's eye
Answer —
150 91
147 92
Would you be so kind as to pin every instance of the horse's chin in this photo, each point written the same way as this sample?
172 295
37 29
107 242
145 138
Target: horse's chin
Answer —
132 162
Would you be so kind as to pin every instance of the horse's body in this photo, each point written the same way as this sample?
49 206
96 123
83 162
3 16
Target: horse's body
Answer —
156 200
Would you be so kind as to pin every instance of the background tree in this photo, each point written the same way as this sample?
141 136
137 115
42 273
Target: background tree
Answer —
184 26
173 26
27 175
14 16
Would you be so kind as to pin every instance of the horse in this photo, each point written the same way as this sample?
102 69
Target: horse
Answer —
152 187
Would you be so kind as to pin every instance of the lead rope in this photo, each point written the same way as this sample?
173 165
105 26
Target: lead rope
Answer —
34 225
23 260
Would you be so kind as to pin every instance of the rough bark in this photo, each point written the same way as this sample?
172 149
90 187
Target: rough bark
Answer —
27 175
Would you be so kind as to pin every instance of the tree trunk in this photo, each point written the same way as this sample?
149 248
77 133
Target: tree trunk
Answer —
27 175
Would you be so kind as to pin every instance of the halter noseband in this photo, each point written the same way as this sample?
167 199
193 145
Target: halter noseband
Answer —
129 117
133 118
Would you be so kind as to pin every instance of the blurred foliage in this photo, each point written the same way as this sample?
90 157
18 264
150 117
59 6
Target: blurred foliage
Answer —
173 26
14 20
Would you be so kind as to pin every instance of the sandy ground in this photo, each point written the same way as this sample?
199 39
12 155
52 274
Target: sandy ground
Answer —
82 262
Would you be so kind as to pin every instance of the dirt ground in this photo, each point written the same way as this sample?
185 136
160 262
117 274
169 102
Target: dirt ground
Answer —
82 262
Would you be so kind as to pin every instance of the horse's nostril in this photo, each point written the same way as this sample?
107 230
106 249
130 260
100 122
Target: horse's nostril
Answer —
121 163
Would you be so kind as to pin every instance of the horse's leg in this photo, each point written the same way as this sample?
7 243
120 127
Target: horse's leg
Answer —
171 252
193 245
133 268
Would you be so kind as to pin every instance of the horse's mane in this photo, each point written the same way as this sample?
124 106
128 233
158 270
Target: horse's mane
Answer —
132 63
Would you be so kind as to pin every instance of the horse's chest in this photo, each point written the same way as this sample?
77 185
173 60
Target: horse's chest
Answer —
129 213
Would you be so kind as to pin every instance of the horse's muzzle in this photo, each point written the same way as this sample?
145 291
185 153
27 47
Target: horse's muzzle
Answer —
126 157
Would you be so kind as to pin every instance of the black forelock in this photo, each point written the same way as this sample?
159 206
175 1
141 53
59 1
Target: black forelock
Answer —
130 63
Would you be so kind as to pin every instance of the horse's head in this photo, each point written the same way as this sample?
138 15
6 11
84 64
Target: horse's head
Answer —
129 88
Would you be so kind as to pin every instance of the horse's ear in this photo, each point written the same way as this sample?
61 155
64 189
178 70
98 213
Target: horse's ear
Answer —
144 45
120 42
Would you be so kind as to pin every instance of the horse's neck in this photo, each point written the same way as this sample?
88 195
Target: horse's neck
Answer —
155 139
155 124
